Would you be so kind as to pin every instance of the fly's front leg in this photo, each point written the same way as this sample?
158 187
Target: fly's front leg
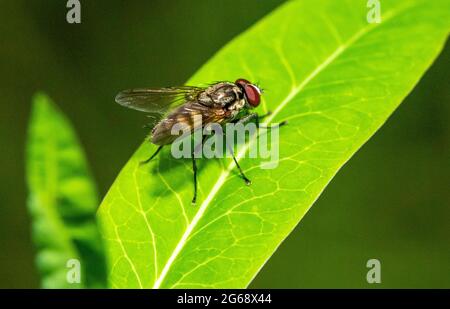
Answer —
257 118
251 116
247 118
265 115
230 149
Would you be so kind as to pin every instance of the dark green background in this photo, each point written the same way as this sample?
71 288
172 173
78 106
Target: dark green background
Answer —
390 202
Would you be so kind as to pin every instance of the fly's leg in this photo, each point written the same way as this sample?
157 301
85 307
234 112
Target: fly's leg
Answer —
153 155
252 116
244 120
265 115
257 118
247 118
194 167
230 149
269 127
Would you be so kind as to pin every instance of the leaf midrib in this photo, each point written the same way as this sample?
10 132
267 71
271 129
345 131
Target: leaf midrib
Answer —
225 173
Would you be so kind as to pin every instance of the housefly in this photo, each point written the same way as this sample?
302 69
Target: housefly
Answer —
221 103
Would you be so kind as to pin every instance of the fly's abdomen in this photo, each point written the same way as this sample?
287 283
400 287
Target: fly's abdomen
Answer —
183 120
161 133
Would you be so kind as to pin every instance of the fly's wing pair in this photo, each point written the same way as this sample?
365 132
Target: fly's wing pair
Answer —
177 105
157 101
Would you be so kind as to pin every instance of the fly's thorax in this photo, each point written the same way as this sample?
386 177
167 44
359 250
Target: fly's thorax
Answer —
223 94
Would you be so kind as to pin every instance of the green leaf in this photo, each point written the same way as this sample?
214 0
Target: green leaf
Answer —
62 202
335 77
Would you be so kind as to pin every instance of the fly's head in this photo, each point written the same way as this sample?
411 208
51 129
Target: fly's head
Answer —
252 93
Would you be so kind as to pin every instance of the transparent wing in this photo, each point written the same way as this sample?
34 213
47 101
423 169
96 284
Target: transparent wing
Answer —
157 100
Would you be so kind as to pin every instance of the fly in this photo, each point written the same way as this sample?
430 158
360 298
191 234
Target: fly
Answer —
221 102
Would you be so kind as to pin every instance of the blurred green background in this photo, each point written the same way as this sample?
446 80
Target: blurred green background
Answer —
390 202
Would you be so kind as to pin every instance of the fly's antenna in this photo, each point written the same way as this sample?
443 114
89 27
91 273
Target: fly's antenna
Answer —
262 90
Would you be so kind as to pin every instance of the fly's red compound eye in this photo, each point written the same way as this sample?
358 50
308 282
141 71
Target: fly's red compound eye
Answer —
253 95
252 92
242 82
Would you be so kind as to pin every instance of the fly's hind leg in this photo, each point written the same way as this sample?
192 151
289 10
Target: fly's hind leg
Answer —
153 155
194 169
194 166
